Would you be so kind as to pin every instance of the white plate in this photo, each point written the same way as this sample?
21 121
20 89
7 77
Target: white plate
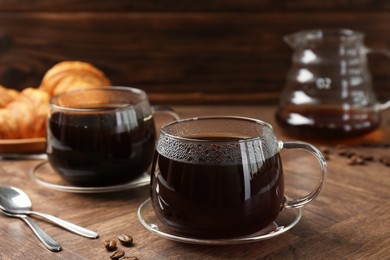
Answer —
44 175
286 220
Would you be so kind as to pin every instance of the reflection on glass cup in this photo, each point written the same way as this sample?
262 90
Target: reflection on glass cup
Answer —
221 177
102 136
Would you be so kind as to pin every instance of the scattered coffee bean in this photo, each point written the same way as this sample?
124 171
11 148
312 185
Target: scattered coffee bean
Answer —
342 152
368 158
385 160
110 245
325 150
346 153
356 160
129 258
125 240
117 255
375 144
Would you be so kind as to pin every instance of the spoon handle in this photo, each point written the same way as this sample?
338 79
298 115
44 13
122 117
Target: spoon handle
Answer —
47 240
67 225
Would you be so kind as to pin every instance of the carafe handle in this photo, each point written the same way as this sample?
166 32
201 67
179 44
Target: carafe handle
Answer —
385 52
300 202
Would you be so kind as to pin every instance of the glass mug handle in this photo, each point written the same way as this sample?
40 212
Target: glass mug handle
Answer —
166 110
297 203
385 52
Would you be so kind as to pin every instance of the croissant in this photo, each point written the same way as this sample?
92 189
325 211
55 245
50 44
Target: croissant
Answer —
26 116
7 95
69 75
40 101
8 125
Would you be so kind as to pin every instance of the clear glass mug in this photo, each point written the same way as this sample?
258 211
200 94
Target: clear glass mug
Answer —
221 177
328 91
101 136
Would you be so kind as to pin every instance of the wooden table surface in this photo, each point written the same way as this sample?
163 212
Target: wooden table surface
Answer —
349 220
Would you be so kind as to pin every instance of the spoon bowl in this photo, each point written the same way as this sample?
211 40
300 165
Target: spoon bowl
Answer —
13 199
16 201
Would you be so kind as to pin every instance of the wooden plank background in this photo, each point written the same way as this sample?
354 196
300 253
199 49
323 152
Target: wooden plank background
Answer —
180 52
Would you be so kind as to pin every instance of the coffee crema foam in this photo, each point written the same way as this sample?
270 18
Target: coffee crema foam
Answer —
209 152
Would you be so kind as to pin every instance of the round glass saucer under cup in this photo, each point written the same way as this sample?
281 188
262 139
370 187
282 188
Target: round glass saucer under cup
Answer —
286 220
44 175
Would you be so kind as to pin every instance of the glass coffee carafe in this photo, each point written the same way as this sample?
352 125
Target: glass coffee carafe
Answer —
328 93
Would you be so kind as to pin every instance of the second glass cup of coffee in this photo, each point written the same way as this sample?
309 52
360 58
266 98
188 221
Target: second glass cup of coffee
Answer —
222 177
101 136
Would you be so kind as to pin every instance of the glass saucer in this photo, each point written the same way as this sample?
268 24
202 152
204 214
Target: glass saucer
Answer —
286 220
44 175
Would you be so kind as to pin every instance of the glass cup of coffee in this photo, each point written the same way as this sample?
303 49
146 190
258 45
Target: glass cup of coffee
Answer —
222 177
101 136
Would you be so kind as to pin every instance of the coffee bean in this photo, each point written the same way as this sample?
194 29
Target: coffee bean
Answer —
375 144
110 245
346 153
129 258
385 160
356 160
368 158
351 162
325 150
125 239
117 255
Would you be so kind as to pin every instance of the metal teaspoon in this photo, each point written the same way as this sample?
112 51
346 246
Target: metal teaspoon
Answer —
46 240
15 201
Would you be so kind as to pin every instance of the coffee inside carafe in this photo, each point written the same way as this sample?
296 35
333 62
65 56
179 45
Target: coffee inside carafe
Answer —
326 121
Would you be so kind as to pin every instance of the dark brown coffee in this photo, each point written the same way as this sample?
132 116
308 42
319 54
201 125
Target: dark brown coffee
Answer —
98 148
217 200
327 122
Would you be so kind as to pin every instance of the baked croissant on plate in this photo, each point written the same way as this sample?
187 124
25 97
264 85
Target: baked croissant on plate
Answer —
7 95
70 75
25 117
24 114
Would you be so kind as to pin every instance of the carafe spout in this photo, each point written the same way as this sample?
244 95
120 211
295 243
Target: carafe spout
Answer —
301 38
291 40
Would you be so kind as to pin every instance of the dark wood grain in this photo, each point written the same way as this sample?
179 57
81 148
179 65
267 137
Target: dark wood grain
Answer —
191 6
181 52
349 220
